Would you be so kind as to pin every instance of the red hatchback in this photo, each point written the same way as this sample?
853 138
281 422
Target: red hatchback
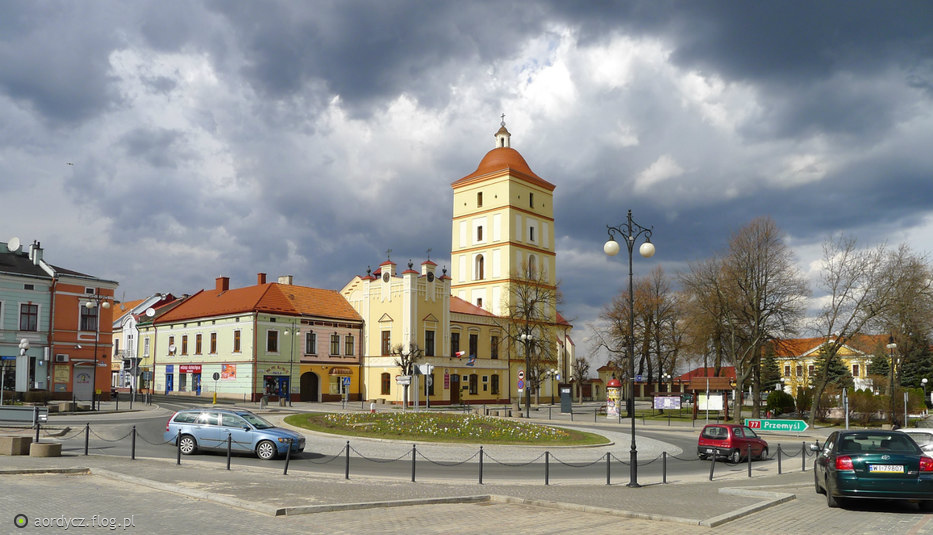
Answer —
730 441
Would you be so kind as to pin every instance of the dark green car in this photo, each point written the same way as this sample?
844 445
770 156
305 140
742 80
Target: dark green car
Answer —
873 464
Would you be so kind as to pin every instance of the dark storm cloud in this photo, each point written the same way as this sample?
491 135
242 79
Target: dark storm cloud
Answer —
158 146
49 62
367 51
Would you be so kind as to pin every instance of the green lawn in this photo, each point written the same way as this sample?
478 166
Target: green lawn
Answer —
440 427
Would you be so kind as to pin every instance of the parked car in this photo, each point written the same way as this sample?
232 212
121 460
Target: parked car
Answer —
923 436
730 441
208 429
872 464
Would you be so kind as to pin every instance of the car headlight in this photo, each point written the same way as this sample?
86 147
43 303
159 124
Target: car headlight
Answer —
284 440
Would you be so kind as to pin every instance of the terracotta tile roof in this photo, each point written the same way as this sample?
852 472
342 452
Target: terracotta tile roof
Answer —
459 306
125 308
561 320
798 347
504 159
725 371
273 298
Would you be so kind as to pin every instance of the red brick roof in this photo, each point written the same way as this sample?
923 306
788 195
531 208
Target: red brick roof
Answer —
459 306
797 347
273 298
725 371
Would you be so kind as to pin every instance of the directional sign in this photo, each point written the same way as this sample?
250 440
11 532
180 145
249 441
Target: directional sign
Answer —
403 379
787 426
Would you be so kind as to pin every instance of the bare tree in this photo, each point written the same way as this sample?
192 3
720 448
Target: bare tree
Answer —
406 356
858 289
581 371
529 324
754 294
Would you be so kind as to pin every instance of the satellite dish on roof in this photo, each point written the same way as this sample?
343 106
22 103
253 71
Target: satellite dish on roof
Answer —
171 348
13 244
150 312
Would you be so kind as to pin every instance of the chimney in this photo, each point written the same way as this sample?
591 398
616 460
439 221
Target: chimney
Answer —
260 278
35 252
223 284
285 279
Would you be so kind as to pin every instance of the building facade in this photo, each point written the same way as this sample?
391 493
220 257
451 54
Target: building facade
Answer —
796 359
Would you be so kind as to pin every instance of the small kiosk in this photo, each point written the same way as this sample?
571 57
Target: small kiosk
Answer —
613 398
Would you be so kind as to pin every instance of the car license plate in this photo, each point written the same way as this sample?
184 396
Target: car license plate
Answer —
886 468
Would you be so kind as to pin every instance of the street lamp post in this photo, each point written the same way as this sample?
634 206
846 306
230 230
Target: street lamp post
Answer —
630 231
292 337
98 302
891 347
555 375
923 383
527 339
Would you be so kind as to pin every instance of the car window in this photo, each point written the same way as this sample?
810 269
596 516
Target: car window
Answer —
717 433
185 417
749 433
738 432
209 418
922 438
256 421
231 420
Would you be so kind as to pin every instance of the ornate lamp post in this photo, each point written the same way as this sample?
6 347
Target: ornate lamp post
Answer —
98 302
630 231
527 340
891 347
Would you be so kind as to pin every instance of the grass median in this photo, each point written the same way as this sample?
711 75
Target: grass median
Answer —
440 427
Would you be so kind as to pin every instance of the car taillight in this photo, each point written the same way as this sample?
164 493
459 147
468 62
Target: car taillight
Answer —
926 464
845 463
170 421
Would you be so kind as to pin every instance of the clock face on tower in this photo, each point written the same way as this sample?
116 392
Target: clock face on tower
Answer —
430 277
385 277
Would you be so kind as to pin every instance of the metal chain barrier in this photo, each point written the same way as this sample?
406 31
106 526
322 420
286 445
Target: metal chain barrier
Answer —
331 459
514 465
577 465
109 440
449 463
373 459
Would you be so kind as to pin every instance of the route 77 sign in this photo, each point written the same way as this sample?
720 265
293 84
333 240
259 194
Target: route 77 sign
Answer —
787 426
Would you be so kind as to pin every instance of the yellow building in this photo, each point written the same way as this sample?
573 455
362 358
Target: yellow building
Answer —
796 359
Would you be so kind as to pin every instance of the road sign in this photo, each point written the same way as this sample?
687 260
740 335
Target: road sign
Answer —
787 426
521 384
216 376
403 379
345 381
638 378
521 374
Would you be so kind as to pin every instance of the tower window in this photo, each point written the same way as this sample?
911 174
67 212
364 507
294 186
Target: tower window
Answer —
531 200
479 302
479 199
479 234
480 267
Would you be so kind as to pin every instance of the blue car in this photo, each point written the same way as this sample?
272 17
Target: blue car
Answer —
209 429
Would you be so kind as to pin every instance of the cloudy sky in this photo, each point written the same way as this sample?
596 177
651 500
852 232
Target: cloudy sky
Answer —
162 144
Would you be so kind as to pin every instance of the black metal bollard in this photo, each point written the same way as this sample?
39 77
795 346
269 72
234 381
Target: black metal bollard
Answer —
480 465
803 456
663 467
549 413
547 467
608 481
779 459
346 470
229 449
116 398
87 436
712 465
288 457
595 415
749 460
37 431
178 448
414 448
133 445
571 415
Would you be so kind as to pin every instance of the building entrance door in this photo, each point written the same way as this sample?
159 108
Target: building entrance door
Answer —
310 386
454 389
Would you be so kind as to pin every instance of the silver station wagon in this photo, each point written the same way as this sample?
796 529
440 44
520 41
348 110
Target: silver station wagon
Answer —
209 429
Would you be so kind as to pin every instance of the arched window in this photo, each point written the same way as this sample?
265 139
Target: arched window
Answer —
385 384
479 271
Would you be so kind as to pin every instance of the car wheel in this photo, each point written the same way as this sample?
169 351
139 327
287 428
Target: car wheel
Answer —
187 444
735 457
266 450
763 455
